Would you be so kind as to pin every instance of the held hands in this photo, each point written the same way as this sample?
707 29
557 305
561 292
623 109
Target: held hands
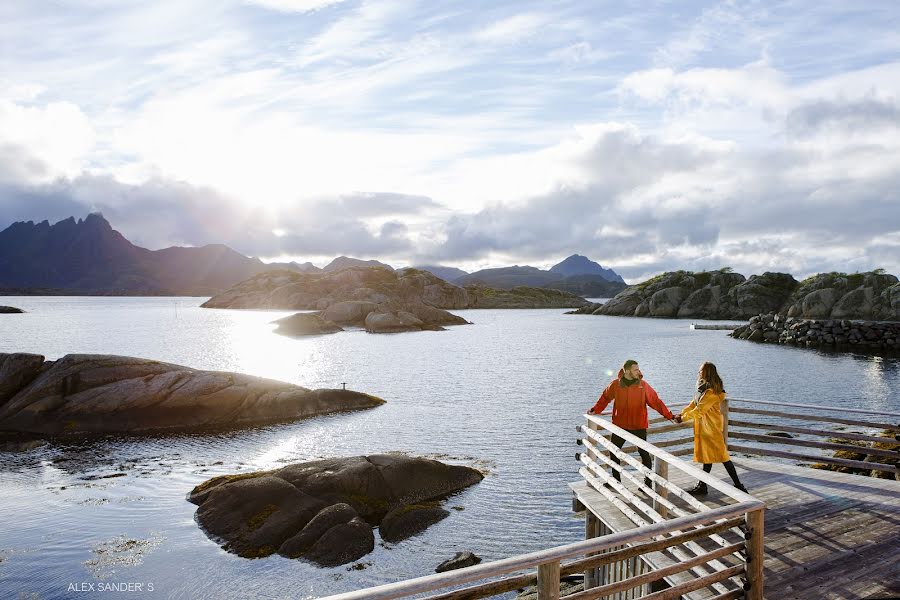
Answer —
678 419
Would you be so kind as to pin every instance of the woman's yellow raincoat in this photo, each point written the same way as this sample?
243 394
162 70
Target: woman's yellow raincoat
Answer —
709 445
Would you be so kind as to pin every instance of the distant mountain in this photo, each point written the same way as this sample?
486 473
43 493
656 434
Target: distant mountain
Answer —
449 274
509 277
306 267
585 285
581 265
589 286
344 262
88 256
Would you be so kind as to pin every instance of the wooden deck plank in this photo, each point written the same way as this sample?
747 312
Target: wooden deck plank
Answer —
828 534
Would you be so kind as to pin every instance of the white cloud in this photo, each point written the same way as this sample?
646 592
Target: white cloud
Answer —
512 29
520 131
53 139
298 6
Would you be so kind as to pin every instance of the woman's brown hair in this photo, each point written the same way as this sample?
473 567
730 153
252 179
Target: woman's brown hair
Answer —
710 375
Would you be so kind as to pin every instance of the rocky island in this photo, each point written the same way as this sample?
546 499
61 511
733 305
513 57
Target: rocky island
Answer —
92 393
324 511
377 298
723 294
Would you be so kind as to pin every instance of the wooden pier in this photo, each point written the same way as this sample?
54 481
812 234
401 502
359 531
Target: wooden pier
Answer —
827 534
800 532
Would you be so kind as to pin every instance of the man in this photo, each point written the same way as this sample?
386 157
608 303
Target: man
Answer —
630 396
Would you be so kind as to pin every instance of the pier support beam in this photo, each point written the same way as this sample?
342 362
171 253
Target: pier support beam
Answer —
591 530
548 581
756 555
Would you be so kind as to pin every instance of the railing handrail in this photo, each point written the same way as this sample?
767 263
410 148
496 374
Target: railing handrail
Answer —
700 474
427 583
860 411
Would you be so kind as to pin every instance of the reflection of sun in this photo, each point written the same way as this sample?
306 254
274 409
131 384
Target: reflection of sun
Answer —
875 381
256 350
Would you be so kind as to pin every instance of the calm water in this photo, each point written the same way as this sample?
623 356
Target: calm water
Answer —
503 395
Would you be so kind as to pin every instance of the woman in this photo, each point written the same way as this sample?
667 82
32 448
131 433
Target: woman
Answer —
709 445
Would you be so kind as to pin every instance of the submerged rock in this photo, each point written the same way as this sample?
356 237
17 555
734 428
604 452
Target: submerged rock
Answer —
94 393
406 521
459 561
323 511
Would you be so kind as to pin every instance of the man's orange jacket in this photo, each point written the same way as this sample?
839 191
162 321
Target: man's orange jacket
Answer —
630 403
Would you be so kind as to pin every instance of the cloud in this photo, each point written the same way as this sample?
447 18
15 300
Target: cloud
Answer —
512 29
46 141
852 117
296 6
161 213
371 204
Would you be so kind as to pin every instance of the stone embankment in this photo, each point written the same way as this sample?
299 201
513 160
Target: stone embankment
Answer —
842 334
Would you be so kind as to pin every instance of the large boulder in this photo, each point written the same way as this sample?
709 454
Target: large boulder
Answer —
93 393
406 521
844 296
323 511
306 324
17 371
761 294
335 536
352 312
666 302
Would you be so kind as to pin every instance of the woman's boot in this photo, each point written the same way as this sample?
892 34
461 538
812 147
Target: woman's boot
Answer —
698 490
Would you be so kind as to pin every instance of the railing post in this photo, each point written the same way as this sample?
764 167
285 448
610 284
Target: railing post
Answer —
661 468
755 554
548 581
724 408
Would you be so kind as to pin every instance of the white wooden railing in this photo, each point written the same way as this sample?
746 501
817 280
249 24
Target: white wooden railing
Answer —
545 567
728 562
720 549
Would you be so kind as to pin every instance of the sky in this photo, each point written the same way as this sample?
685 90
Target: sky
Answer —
648 136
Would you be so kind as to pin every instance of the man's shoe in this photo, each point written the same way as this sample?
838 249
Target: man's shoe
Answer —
742 488
698 490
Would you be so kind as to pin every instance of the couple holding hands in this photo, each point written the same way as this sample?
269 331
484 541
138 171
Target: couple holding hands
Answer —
630 396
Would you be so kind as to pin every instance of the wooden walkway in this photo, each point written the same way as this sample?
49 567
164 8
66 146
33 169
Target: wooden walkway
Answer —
828 535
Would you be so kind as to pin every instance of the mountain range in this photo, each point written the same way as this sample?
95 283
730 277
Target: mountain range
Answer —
576 274
87 256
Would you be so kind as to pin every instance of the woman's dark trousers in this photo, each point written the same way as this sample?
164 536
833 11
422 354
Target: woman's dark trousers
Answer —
645 456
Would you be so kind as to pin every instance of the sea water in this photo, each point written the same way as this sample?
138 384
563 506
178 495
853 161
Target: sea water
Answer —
108 518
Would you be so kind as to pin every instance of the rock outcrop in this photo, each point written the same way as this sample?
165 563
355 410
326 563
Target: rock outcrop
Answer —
379 299
726 295
10 310
324 511
306 324
93 393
